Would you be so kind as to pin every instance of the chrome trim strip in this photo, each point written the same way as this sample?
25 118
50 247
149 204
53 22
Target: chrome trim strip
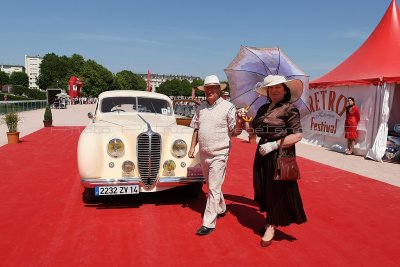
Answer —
162 181
93 182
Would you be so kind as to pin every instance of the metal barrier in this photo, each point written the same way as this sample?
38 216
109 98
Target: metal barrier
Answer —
17 106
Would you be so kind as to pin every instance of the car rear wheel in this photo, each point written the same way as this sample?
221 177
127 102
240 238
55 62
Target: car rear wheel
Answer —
88 195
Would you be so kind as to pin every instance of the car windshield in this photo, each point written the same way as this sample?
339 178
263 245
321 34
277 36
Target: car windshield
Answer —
136 104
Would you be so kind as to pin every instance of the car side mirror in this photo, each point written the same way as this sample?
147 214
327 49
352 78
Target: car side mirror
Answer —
90 115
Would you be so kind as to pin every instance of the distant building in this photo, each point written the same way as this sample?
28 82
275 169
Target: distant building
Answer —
11 68
32 67
157 79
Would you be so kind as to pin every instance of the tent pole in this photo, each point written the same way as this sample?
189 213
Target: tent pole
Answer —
378 107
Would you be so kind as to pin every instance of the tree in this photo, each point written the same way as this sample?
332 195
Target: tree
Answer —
52 69
197 83
227 89
128 80
19 78
4 79
175 87
75 65
55 71
96 79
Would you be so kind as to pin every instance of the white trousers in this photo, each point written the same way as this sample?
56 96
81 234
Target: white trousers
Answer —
214 169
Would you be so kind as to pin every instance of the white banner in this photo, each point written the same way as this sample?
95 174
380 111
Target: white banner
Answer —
324 125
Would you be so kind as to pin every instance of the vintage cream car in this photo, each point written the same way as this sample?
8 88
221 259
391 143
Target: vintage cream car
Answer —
134 145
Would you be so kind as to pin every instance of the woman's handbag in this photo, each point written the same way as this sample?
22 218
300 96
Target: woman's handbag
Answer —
286 167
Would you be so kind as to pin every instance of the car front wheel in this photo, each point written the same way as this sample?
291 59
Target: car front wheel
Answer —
88 195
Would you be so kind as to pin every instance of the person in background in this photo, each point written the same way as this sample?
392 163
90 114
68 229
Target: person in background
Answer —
215 122
277 119
350 125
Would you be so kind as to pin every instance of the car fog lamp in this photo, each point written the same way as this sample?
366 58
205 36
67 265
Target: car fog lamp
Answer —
169 165
179 148
128 166
115 148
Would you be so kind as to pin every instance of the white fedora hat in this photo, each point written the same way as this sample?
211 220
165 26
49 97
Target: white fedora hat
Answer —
212 80
295 86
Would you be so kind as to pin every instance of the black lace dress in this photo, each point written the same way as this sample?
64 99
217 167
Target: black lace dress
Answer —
280 199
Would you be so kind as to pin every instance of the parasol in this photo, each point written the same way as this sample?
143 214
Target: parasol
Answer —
250 66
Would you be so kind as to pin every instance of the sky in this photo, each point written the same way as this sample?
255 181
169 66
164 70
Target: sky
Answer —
194 38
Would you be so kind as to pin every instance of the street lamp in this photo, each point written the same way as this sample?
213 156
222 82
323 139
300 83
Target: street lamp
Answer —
57 83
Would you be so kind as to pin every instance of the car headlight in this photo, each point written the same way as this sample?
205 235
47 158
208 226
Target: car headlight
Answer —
116 148
169 168
128 166
179 148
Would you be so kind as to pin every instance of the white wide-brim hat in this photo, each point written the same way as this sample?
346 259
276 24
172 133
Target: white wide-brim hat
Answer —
212 80
295 86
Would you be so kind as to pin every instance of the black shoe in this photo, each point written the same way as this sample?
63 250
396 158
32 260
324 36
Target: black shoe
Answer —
204 230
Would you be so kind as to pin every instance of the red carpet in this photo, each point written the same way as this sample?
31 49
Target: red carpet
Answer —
352 220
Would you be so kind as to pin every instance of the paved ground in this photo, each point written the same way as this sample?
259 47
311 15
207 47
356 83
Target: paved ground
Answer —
76 115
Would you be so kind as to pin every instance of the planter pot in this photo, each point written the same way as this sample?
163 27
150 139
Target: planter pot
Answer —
47 123
13 138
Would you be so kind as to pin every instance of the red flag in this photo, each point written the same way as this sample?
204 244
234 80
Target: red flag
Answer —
148 81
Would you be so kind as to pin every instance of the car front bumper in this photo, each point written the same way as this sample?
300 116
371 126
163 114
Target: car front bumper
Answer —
161 182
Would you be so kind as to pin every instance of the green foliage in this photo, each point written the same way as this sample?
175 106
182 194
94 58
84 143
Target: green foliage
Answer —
55 71
75 64
175 87
127 80
30 93
48 116
197 83
11 97
4 79
18 90
96 79
35 94
19 78
11 119
227 89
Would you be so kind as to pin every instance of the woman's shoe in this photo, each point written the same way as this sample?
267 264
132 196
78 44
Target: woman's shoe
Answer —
265 243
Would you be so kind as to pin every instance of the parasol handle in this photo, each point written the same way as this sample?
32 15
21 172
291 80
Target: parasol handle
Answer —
249 119
245 118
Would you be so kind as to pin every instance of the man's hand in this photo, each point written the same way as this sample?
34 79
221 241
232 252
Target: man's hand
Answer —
241 113
267 148
191 152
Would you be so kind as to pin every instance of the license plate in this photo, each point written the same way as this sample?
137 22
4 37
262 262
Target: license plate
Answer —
116 190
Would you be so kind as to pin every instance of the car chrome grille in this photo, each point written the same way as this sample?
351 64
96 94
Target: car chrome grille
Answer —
149 156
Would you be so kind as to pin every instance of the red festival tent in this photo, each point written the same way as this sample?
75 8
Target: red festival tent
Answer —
372 76
378 58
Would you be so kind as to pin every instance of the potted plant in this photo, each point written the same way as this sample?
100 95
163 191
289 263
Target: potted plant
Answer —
48 117
11 119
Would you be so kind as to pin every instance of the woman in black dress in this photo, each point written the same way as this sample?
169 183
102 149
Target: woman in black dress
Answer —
277 119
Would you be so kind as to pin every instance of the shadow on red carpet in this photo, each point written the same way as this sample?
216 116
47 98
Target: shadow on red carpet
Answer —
352 220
